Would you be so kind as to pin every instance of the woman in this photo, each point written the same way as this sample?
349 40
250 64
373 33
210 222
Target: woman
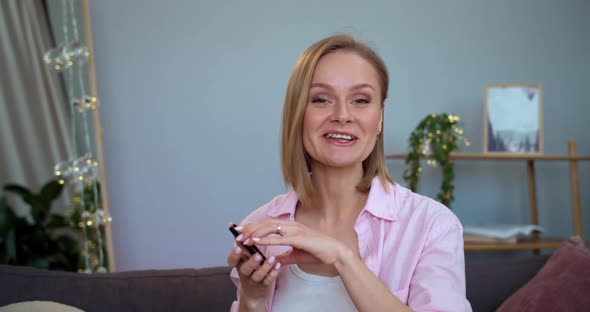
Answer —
346 237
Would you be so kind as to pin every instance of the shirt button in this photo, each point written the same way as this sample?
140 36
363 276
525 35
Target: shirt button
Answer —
374 218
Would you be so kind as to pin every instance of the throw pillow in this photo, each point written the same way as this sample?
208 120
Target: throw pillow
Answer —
38 306
562 284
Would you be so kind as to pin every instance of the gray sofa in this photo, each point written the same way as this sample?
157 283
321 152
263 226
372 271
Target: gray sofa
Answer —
489 283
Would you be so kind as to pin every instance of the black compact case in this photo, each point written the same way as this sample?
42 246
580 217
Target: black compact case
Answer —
251 249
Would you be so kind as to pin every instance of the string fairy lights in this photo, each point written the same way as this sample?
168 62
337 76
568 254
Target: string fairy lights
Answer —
80 171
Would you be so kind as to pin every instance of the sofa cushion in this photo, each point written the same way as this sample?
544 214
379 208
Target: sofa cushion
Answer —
208 289
561 285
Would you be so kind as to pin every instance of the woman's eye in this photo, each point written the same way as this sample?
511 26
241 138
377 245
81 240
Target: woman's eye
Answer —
319 100
361 101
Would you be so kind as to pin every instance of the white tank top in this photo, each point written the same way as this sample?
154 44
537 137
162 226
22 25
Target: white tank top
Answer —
300 291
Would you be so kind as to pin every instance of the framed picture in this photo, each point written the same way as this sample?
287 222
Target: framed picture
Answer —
513 119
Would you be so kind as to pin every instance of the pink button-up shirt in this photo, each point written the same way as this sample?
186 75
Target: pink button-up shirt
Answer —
413 244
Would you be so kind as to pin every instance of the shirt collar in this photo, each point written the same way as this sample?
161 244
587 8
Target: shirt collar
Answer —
380 203
285 205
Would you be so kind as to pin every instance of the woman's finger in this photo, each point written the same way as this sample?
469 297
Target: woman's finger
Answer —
277 240
248 267
235 257
274 226
246 232
261 273
272 275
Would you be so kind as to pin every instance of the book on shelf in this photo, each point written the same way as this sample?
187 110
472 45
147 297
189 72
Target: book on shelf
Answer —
499 233
475 238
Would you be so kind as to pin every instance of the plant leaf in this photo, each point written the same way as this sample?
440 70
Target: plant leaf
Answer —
69 251
51 190
11 244
18 189
41 263
68 243
39 210
22 191
7 216
57 221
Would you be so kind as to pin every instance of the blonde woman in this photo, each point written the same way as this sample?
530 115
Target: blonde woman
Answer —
345 237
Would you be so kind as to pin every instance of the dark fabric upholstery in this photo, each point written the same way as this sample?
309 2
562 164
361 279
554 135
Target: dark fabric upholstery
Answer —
207 289
489 283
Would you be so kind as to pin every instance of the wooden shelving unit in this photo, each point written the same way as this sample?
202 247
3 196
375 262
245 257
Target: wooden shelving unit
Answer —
475 156
536 242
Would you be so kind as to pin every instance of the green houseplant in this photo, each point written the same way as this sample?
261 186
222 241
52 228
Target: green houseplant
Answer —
436 136
48 242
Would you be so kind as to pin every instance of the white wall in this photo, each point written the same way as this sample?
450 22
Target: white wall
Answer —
192 91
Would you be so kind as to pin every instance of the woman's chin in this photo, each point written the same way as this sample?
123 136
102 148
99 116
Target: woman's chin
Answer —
342 163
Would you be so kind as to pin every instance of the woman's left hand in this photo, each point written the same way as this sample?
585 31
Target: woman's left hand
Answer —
309 246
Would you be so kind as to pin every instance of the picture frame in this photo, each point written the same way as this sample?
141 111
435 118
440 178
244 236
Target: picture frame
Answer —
513 118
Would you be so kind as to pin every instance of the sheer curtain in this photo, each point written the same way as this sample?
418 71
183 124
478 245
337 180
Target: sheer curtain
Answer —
34 116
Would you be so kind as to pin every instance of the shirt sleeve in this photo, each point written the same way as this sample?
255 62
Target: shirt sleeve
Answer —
438 283
235 278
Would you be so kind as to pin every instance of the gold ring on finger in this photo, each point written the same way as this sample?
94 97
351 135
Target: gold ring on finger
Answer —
279 227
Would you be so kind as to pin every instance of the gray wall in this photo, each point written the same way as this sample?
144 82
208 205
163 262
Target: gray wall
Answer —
192 93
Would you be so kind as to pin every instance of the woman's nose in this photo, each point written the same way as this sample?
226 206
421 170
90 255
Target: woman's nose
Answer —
342 112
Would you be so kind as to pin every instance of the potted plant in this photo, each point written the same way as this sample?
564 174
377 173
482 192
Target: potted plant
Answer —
48 242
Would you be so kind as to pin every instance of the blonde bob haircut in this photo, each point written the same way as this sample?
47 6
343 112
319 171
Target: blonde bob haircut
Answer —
294 159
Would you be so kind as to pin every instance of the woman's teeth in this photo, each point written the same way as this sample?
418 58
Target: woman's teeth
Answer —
339 136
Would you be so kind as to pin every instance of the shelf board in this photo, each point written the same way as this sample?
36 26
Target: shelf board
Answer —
498 156
536 243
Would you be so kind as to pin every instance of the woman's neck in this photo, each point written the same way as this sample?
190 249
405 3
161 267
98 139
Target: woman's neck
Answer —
335 197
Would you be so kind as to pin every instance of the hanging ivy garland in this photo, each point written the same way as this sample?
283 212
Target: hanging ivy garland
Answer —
436 136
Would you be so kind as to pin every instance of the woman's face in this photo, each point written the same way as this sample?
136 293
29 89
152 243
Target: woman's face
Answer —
344 111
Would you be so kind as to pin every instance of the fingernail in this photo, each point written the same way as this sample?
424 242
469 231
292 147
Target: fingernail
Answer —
239 238
257 258
246 241
237 250
239 228
256 239
271 260
278 266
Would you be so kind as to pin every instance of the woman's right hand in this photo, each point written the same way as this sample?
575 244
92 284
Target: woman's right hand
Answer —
255 278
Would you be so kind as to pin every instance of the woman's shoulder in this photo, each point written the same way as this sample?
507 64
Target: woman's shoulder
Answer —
415 207
282 204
